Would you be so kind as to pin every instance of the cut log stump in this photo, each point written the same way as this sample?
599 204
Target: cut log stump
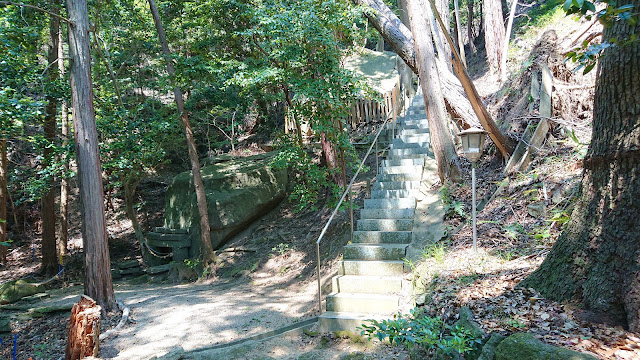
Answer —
84 330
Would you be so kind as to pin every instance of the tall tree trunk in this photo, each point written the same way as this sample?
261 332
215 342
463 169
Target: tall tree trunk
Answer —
505 46
98 284
406 74
493 33
472 45
206 248
443 148
443 9
64 182
460 42
596 260
49 253
4 196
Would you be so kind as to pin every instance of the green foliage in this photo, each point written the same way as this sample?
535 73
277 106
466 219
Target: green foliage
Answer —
452 207
417 329
514 230
280 249
192 264
587 54
434 251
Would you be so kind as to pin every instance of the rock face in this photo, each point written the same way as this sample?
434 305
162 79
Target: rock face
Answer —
524 346
238 191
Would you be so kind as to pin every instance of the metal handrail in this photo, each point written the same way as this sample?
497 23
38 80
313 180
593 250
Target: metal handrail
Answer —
347 191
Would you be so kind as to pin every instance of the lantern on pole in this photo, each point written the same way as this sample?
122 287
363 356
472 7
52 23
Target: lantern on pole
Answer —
472 144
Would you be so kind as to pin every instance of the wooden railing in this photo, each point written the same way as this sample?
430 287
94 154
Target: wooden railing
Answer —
362 112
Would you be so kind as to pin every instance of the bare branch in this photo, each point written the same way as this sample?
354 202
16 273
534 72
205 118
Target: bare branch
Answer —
39 9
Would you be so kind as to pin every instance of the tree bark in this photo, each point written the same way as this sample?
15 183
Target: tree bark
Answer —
507 36
493 33
472 45
206 248
443 9
64 182
130 186
84 330
3 197
98 284
460 42
49 252
596 260
443 148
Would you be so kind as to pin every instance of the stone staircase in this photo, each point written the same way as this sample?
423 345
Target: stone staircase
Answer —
371 274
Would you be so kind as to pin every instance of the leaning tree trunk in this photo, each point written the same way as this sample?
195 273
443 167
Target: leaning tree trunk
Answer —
493 33
596 260
443 148
49 253
206 248
98 284
3 198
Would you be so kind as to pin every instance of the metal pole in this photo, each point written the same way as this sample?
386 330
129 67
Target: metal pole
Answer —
351 211
319 282
376 155
473 206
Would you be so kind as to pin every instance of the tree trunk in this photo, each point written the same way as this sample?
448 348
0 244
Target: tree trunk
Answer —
3 197
64 182
84 330
206 248
596 260
472 45
49 252
460 42
443 9
507 36
98 284
493 33
129 201
503 143
443 148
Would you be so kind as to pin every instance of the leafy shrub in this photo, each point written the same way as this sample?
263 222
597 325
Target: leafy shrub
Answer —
417 329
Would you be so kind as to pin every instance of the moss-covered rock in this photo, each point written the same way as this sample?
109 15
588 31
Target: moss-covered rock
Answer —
489 348
13 291
523 346
238 191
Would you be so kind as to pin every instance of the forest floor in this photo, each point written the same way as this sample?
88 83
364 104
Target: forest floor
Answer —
271 285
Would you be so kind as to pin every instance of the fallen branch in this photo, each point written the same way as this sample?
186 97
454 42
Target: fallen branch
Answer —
123 320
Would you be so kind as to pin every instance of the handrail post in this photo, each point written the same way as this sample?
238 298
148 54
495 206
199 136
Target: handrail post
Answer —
351 211
319 280
376 156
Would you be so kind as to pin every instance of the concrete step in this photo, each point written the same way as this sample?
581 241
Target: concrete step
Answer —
402 169
387 213
374 251
408 203
422 123
413 131
401 144
366 284
416 111
414 138
402 162
381 237
400 177
393 194
331 321
371 268
367 303
410 157
405 152
384 225
396 185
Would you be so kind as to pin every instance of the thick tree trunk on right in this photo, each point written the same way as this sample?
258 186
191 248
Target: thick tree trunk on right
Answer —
493 33
206 248
98 284
49 252
443 148
596 260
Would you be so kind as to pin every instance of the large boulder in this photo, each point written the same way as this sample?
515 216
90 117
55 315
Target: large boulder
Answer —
239 190
523 346
13 291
